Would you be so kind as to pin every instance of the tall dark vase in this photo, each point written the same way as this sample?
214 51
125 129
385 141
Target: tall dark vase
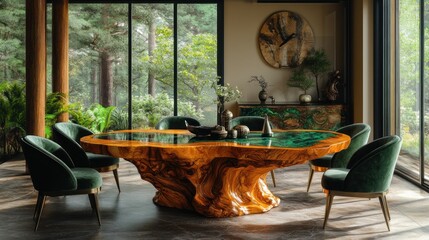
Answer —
263 95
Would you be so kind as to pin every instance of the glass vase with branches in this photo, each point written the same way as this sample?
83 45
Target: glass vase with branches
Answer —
224 94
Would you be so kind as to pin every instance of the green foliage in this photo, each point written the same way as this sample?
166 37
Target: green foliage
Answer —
97 28
189 109
149 110
225 93
196 68
119 119
55 105
96 117
12 116
409 77
317 62
300 80
12 39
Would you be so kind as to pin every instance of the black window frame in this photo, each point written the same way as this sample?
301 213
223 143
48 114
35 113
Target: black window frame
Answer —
220 40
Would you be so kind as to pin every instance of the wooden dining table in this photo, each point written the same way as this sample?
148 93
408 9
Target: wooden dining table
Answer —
214 177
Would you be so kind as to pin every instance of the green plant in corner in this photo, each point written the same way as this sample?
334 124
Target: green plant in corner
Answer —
318 64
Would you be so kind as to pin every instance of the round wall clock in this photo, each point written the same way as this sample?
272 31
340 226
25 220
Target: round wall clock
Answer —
285 39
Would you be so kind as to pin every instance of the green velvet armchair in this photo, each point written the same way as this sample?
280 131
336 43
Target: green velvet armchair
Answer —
176 122
359 134
68 136
368 174
254 123
53 174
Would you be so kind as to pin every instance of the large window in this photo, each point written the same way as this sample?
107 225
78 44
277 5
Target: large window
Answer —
12 75
147 60
413 88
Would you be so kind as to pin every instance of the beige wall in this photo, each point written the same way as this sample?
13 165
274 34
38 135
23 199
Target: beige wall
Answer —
243 19
362 62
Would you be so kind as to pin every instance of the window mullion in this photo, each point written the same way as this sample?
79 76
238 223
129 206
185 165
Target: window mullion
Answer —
175 60
422 126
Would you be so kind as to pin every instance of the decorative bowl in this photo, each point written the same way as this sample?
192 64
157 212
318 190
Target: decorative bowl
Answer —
200 130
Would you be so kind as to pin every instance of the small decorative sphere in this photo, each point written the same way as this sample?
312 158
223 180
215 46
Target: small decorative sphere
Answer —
242 131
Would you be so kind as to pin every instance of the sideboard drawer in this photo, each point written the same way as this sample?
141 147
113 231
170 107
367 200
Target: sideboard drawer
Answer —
297 116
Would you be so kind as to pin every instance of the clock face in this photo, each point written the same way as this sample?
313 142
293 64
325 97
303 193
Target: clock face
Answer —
285 39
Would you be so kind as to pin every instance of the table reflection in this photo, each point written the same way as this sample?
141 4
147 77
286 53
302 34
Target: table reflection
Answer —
280 139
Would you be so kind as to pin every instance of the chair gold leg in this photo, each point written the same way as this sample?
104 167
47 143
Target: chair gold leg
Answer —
115 173
38 203
93 199
273 177
310 178
387 207
329 200
39 209
384 208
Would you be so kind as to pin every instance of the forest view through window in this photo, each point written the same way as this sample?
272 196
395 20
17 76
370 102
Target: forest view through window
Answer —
413 88
130 64
173 51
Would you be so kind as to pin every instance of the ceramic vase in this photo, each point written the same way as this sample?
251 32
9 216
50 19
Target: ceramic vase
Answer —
305 98
263 95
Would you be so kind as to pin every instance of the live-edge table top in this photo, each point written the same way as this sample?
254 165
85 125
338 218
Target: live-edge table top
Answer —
216 178
308 144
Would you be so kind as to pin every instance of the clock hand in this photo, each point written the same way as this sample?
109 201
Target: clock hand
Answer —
288 39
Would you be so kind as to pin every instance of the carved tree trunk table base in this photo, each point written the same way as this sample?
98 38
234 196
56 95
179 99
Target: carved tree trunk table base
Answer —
223 178
226 187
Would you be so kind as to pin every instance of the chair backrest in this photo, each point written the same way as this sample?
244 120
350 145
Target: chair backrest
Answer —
254 123
68 136
49 164
372 166
359 134
176 122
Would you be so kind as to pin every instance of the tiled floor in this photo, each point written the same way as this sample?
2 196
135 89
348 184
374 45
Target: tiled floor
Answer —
132 215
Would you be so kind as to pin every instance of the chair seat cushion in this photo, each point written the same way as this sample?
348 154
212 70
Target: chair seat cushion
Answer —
98 160
324 161
333 179
87 178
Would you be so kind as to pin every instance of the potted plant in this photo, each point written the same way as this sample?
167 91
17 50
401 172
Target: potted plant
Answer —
317 64
224 94
263 95
300 80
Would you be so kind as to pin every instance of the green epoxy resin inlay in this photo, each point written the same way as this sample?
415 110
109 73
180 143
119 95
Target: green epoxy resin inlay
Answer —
292 139
286 139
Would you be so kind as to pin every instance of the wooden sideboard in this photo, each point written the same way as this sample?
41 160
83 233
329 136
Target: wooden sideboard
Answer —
324 116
